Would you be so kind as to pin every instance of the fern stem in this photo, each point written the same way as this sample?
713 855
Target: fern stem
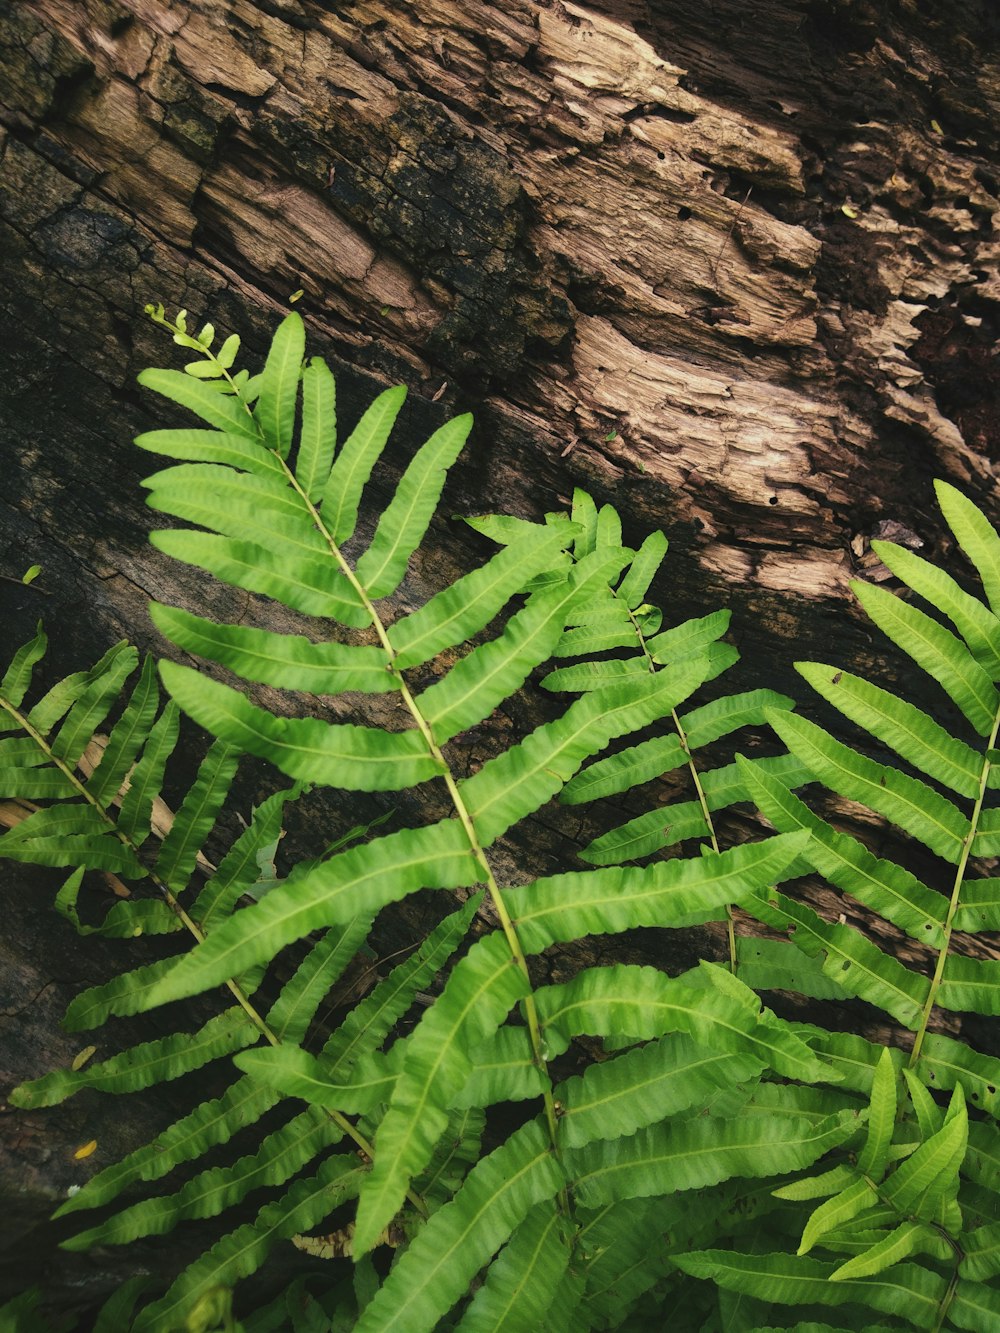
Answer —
696 780
461 810
956 893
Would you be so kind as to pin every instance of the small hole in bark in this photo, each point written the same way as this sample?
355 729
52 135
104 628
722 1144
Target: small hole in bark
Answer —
773 500
684 213
661 156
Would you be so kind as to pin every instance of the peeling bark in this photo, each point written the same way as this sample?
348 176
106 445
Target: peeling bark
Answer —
731 266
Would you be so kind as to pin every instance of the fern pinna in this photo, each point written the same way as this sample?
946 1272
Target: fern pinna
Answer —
544 1227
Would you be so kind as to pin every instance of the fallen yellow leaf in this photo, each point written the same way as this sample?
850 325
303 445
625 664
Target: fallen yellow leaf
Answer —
82 1057
86 1150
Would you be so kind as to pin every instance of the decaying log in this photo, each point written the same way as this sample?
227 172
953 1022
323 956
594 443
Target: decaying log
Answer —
729 266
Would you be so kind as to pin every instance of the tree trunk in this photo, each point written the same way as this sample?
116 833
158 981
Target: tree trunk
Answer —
730 267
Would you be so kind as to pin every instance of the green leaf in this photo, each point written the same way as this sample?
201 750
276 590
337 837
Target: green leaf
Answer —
976 536
822 1186
765 964
196 817
227 353
354 882
240 868
634 586
316 587
667 825
117 1311
482 680
968 984
342 755
945 1063
937 650
874 1155
69 835
456 1242
60 698
505 528
466 606
692 1154
124 920
909 1292
122 995
130 733
981 1252
975 1306
203 370
649 1083
301 996
213 446
286 661
930 1117
694 636
17 677
987 837
667 893
279 385
353 466
980 905
624 770
611 628
586 676
402 525
854 962
651 759
907 1238
911 804
219 410
522 1282
584 514
911 733
619 1262
318 439
642 1003
609 527
143 1066
146 780
847 1206
480 992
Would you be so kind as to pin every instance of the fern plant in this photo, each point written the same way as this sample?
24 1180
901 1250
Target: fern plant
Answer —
532 1227
909 1225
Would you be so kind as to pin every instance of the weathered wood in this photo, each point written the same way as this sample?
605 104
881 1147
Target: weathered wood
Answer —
729 265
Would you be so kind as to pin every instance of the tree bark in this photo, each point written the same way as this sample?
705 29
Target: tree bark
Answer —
729 266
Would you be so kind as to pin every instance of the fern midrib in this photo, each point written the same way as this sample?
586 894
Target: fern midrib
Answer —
695 778
956 893
191 925
461 809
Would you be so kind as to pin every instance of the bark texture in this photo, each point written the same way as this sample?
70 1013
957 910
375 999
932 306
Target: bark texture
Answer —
731 266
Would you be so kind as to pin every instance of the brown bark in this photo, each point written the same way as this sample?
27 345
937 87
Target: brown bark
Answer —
731 267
